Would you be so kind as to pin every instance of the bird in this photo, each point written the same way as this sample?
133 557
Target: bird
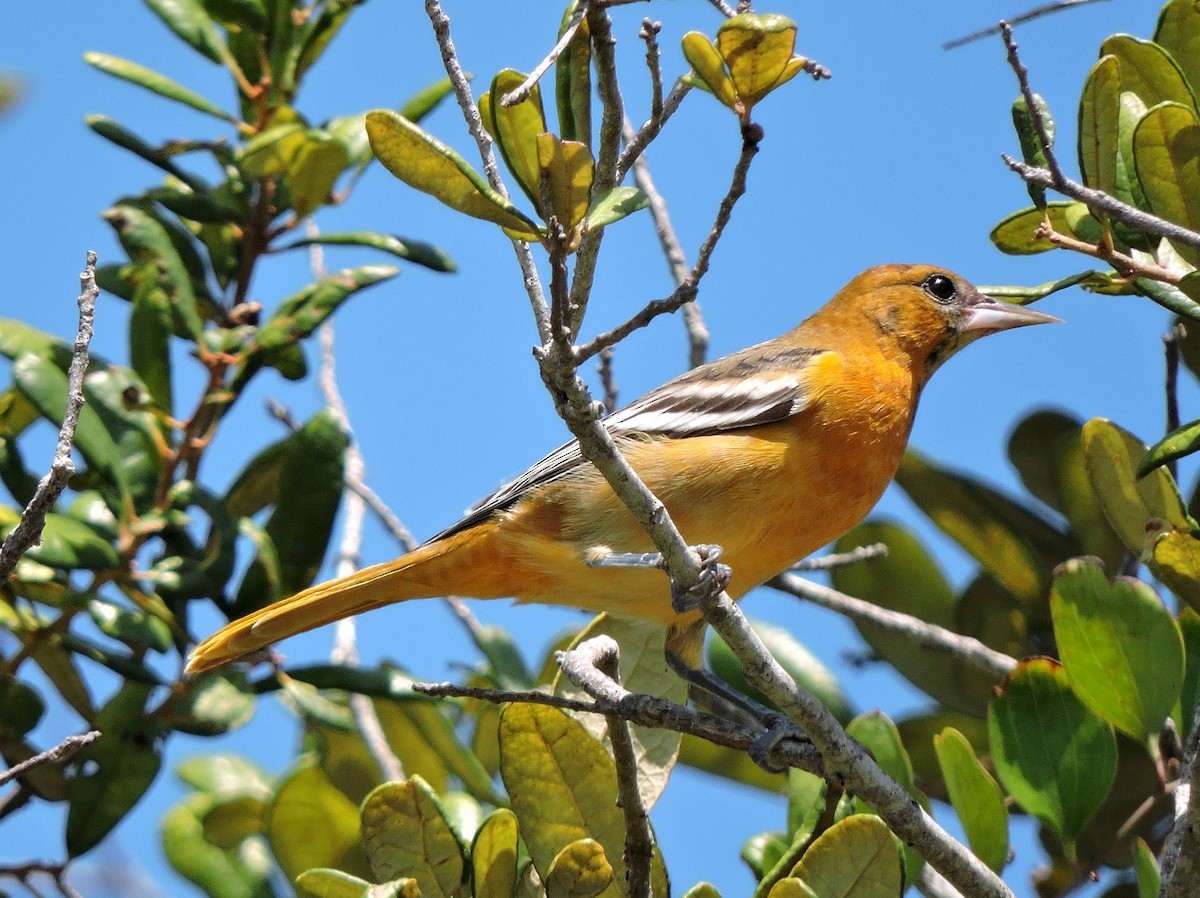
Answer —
769 453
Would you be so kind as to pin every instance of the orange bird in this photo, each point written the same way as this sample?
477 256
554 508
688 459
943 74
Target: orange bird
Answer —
770 453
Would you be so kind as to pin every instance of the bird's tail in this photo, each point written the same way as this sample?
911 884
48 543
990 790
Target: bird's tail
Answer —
465 563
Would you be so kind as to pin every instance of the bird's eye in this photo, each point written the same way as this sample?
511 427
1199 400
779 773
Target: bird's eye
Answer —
939 287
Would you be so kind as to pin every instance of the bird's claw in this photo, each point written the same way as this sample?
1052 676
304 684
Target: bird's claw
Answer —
779 729
714 577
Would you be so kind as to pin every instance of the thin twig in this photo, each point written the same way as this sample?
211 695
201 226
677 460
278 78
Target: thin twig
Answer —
603 654
1039 123
525 88
1098 199
29 529
649 34
60 752
345 647
846 762
686 292
645 710
1038 11
635 146
693 319
470 111
723 8
842 559
930 636
608 382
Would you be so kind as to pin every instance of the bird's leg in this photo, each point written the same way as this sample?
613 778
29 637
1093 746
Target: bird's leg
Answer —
724 699
714 577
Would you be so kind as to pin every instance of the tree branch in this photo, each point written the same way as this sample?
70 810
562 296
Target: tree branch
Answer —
29 529
60 752
930 636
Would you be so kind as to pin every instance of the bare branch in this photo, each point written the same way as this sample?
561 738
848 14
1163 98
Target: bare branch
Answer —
1171 341
650 130
1098 199
29 529
930 636
1180 858
345 647
1038 11
470 111
686 292
604 655
525 88
842 559
1039 124
846 762
60 752
693 320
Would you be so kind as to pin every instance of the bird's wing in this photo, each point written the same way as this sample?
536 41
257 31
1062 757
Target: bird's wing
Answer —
740 390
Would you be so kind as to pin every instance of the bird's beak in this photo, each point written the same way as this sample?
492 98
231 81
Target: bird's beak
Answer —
985 315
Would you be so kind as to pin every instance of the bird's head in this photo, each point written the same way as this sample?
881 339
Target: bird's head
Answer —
930 312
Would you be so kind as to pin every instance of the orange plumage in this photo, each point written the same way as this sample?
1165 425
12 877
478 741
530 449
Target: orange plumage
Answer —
770 453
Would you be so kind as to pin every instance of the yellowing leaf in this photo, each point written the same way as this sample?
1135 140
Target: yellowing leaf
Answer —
702 56
562 784
855 858
516 129
579 871
757 49
569 169
405 834
425 163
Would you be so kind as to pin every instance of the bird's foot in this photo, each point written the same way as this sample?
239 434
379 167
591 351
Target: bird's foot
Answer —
714 577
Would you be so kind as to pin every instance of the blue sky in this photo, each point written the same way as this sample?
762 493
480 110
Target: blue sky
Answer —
896 159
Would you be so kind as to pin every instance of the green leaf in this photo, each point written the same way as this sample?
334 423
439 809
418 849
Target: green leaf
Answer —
1148 71
426 100
1175 299
643 670
45 385
1031 147
310 824
1015 235
18 339
516 129
1166 148
152 247
66 543
561 783
803 666
405 834
1178 33
314 169
1145 867
1046 448
324 883
213 704
1055 758
132 626
908 580
494 856
21 707
613 205
855 857
217 872
190 22
114 771
416 251
118 134
1010 542
1189 694
573 81
976 798
426 164
156 83
302 313
1178 443
1132 503
1119 645
150 341
1099 108
225 775
269 153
